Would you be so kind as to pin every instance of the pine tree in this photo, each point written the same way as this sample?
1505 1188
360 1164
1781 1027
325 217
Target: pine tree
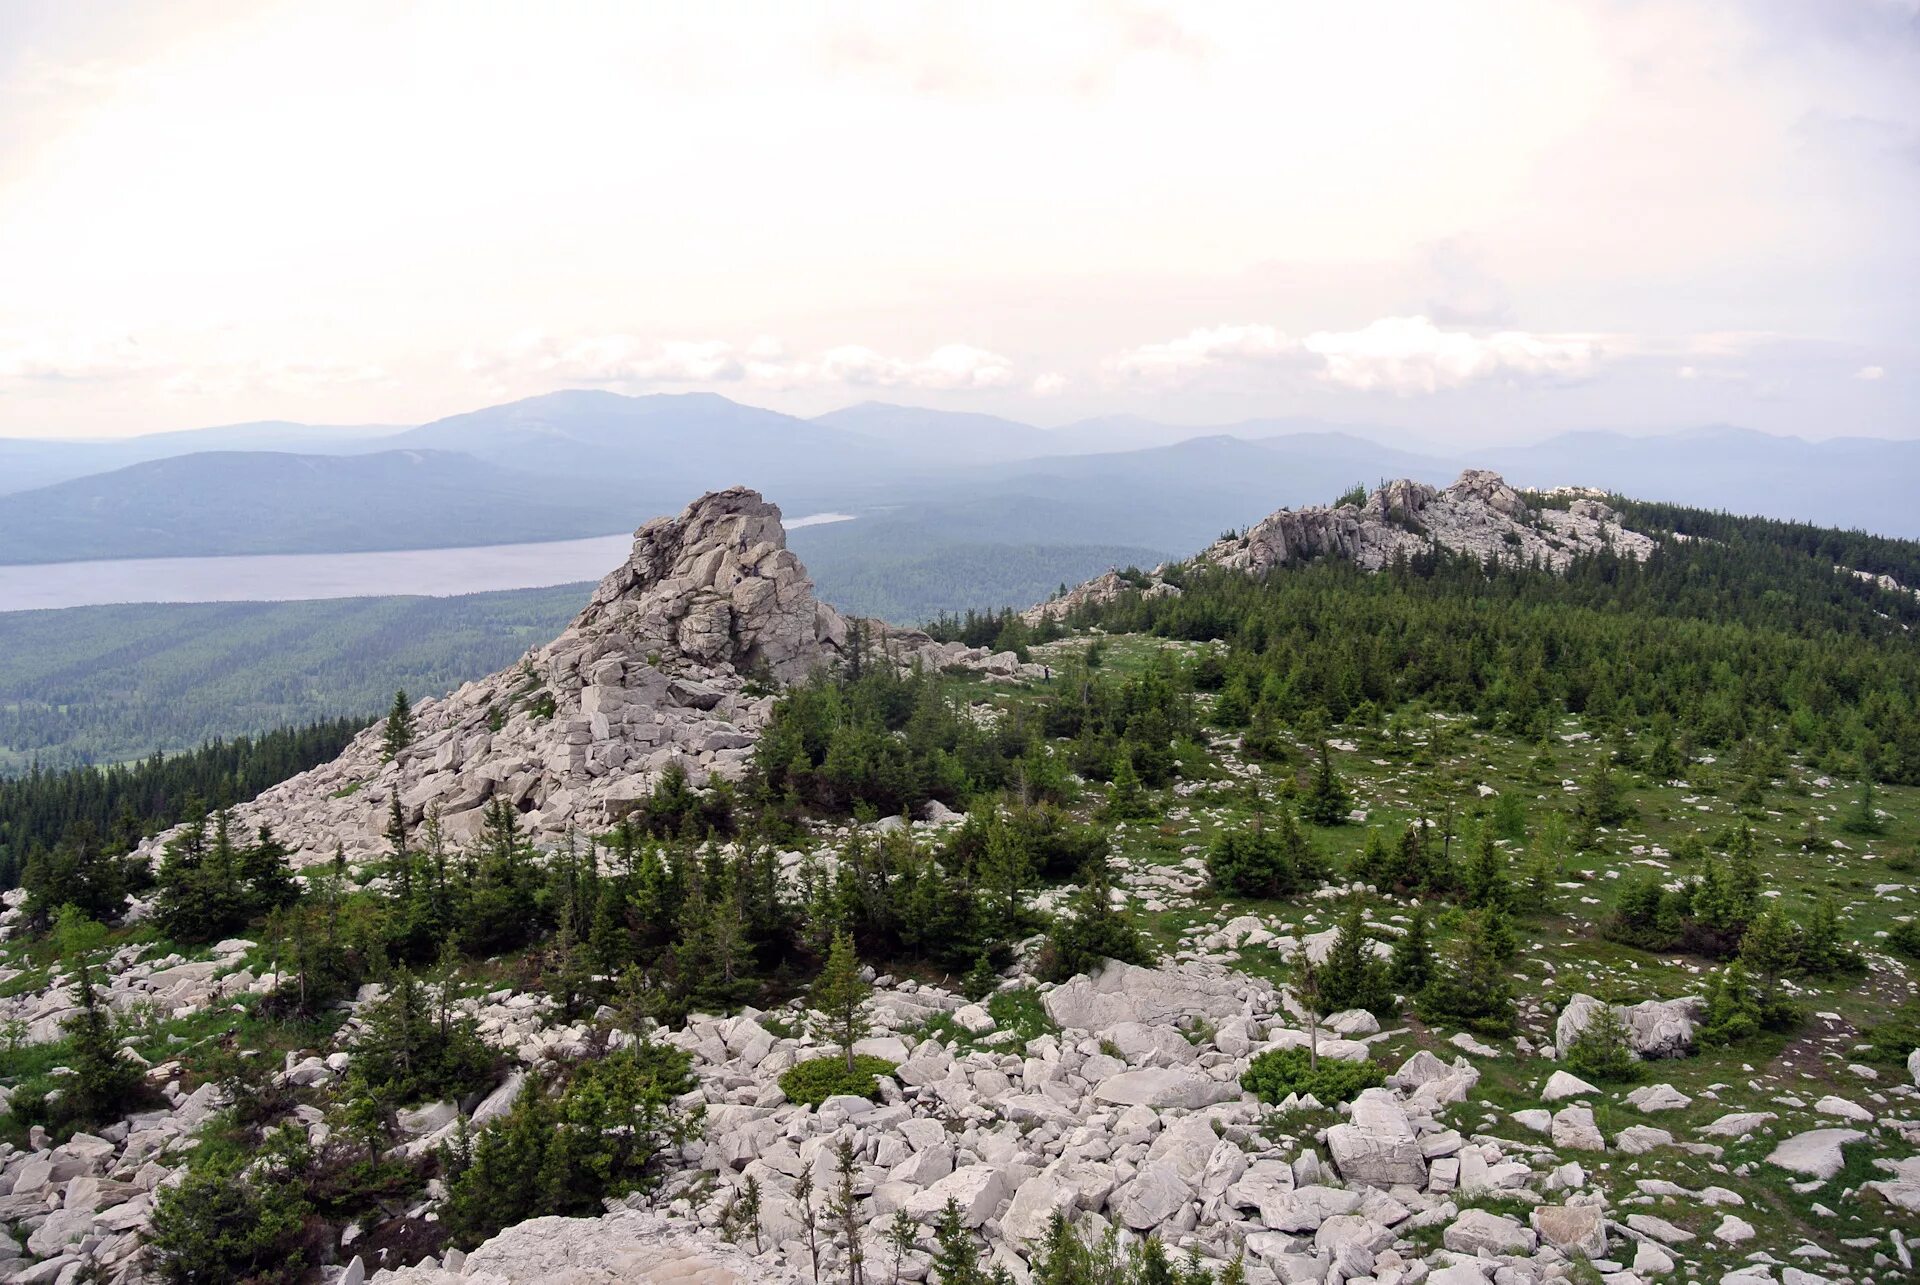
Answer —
1125 802
1601 1052
103 1085
1864 817
1412 962
956 1261
903 1238
840 995
1471 985
1327 801
1353 976
1823 951
844 1208
809 1219
1733 1014
398 733
1769 950
1487 885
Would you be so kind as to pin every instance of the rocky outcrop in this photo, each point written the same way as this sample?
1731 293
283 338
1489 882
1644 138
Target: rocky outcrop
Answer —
1655 1028
672 662
1479 515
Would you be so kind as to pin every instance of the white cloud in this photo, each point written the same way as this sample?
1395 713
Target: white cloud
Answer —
69 360
1870 372
621 359
1200 350
1406 355
950 366
1051 384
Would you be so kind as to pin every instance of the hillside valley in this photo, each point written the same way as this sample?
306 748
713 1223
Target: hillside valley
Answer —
1452 883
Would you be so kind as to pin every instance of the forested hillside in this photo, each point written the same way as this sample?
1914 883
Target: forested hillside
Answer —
1615 867
108 684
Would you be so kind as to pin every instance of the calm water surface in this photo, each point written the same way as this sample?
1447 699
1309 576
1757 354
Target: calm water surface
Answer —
282 577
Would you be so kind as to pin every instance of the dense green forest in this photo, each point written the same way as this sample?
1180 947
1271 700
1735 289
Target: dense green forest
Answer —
115 684
115 807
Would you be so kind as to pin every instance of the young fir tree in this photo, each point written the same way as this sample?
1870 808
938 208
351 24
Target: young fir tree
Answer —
844 1208
1601 1052
1125 802
1733 1013
956 1261
398 733
1327 800
103 1085
840 996
1487 886
1412 962
1353 976
1769 951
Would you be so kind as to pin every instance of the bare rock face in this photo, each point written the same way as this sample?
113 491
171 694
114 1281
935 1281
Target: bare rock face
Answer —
1479 515
672 662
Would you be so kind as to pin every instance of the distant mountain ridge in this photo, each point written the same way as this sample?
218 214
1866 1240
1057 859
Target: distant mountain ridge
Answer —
926 484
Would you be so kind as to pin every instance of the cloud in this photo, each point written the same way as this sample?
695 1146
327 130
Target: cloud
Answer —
302 377
621 359
950 366
69 360
1200 350
1870 372
1406 355
1051 384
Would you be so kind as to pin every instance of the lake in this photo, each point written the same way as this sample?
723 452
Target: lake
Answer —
279 577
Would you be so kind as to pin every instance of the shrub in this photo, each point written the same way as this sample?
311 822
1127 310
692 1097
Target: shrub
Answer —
1090 934
415 1051
1257 862
1273 1075
1601 1052
232 1220
564 1153
812 1082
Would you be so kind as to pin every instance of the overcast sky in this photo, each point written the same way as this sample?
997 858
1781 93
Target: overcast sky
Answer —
1477 221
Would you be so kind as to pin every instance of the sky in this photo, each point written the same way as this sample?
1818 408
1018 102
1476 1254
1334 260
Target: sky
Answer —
1478 221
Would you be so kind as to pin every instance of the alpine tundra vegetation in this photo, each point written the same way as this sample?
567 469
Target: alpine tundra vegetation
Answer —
1449 883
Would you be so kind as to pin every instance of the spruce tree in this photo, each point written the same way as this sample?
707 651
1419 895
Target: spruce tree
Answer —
398 733
1353 976
840 996
1486 879
1327 800
1412 962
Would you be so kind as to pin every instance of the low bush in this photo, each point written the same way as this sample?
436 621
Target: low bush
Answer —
1601 1053
1273 1075
564 1153
812 1082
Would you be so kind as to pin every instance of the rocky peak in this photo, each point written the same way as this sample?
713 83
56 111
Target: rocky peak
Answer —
718 585
1479 515
672 663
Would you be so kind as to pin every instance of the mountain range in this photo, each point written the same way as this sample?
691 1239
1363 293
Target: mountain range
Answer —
953 508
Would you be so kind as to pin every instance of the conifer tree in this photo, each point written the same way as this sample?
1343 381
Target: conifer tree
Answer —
1327 801
398 733
1770 950
1124 801
1487 887
1412 962
840 996
1353 976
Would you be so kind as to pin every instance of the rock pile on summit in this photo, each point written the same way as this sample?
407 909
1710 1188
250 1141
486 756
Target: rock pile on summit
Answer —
1479 515
672 662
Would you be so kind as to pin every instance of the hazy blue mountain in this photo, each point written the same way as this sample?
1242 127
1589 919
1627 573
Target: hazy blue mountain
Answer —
1843 482
667 448
232 502
28 463
940 436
